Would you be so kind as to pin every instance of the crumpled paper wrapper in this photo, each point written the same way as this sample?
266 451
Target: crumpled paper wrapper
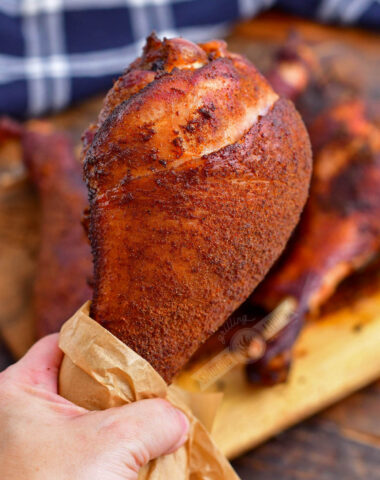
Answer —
99 371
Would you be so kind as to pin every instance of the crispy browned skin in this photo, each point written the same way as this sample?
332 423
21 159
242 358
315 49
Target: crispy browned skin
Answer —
195 184
64 261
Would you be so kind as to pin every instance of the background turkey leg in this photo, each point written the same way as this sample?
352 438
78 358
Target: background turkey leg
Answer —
64 260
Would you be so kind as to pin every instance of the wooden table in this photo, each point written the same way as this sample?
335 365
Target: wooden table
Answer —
341 443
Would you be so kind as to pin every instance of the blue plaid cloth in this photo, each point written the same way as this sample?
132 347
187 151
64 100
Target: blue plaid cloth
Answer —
54 52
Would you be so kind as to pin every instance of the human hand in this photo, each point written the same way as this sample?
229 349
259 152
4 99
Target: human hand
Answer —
44 436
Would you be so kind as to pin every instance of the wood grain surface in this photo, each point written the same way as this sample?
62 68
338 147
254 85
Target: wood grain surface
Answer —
342 443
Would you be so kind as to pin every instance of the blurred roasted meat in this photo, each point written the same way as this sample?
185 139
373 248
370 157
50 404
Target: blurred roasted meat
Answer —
340 227
339 230
64 261
295 68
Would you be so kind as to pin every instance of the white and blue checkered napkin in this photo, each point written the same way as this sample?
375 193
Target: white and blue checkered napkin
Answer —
55 52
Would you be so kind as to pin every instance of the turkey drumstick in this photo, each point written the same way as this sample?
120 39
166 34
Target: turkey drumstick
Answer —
197 173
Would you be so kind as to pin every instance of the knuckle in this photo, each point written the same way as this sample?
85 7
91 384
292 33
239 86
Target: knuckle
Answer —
136 455
114 429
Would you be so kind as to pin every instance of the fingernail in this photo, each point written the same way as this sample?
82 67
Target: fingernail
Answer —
185 426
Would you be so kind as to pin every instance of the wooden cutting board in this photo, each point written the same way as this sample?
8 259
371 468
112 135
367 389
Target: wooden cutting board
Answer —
335 355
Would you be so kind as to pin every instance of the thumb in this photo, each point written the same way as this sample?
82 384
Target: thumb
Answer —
142 431
40 365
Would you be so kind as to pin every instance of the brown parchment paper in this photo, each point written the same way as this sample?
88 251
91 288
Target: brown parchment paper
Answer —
98 371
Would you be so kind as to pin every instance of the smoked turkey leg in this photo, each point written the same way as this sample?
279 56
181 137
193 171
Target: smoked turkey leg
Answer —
197 173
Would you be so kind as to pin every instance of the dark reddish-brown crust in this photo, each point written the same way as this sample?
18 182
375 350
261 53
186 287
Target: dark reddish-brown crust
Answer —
177 247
